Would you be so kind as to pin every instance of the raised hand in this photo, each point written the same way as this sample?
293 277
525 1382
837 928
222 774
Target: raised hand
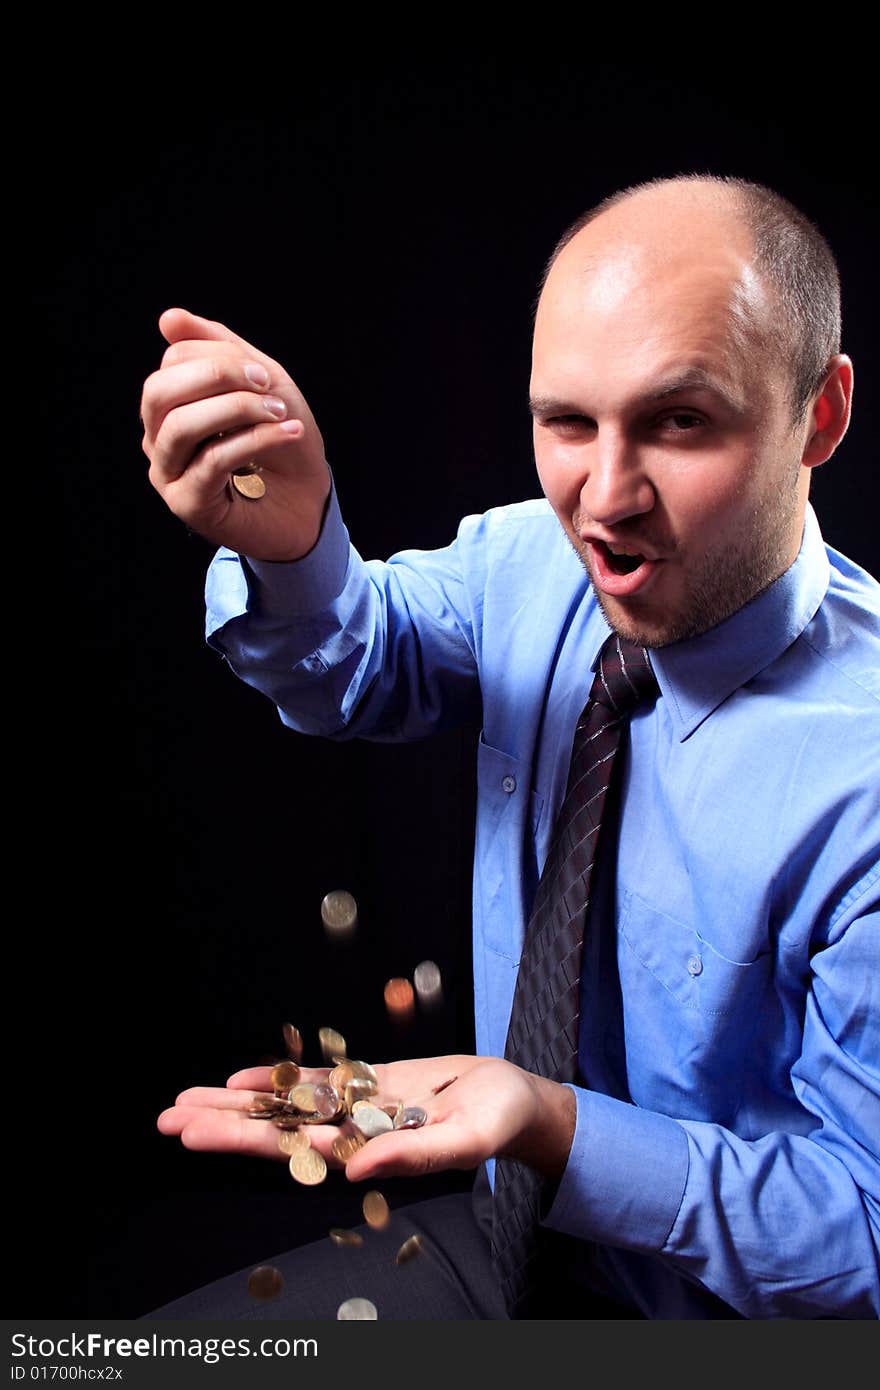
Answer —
217 404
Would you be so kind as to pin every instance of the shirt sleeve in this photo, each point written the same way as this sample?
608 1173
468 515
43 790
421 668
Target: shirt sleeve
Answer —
786 1225
351 648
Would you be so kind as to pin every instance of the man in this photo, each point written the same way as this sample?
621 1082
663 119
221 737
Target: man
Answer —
717 1152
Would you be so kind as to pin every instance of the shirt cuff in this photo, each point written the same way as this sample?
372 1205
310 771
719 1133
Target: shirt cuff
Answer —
237 584
625 1177
284 587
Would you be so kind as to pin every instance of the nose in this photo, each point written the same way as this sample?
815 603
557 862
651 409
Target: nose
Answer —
616 485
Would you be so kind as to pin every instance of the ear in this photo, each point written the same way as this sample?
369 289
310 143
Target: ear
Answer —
829 413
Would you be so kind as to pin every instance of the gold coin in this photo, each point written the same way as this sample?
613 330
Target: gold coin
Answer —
340 1076
250 485
359 1089
293 1141
246 468
340 1237
393 1109
308 1167
288 1120
265 1282
285 1075
399 999
377 1213
303 1096
331 1043
346 1145
364 1072
410 1247
293 1042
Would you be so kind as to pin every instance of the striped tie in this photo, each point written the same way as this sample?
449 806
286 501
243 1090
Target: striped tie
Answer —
542 1035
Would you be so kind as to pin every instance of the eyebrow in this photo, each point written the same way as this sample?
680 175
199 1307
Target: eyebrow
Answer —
691 379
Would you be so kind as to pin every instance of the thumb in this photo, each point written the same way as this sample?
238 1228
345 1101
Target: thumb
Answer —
175 325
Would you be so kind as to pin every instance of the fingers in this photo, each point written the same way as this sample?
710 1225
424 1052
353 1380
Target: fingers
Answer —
197 379
177 324
435 1148
219 1130
236 417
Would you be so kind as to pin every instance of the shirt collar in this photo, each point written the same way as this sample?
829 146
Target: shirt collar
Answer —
697 674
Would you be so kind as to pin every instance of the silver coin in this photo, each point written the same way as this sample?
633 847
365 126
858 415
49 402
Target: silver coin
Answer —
339 912
370 1120
428 983
357 1310
326 1101
411 1117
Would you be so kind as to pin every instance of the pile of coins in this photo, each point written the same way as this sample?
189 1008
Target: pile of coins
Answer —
343 1100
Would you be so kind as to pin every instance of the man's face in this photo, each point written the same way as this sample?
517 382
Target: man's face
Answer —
698 482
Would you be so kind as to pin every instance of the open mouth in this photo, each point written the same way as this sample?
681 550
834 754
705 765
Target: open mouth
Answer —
622 572
621 562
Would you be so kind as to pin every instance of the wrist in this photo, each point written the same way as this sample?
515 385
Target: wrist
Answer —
545 1141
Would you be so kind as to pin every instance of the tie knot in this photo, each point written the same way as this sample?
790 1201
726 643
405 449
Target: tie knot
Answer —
625 676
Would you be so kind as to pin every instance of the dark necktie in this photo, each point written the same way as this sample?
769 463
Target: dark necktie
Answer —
542 1036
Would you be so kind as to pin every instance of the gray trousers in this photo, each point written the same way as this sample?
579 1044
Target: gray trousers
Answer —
451 1278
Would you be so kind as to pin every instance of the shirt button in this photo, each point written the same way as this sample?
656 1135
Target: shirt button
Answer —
695 965
509 784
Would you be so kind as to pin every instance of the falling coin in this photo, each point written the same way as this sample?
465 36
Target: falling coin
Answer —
265 1282
293 1042
429 986
285 1075
340 1237
363 1071
410 1247
347 1143
308 1167
339 913
399 1000
250 485
359 1089
357 1310
292 1141
377 1213
332 1044
340 1076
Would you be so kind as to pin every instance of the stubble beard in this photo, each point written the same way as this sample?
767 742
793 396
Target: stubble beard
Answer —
726 580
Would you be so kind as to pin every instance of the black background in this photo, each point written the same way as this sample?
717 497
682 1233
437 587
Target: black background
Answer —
380 231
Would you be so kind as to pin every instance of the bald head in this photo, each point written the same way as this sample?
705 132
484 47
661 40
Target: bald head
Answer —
784 293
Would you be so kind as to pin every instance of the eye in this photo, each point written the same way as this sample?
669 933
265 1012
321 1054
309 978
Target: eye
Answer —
684 421
566 421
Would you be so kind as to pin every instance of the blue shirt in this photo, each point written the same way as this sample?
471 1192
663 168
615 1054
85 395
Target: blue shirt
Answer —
725 1158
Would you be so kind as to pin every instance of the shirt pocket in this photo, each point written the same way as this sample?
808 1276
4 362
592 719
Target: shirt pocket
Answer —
690 1014
508 816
